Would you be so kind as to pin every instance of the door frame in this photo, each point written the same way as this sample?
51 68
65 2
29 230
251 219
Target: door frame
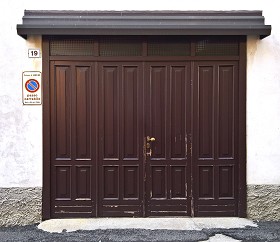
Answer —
242 186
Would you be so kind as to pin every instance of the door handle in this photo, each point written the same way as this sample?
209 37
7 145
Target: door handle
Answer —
150 139
148 145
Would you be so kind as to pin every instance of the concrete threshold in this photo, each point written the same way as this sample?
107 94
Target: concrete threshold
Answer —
166 223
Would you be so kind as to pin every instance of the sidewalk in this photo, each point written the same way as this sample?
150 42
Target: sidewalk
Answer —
145 229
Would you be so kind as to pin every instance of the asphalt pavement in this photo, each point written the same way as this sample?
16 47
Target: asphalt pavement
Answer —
264 231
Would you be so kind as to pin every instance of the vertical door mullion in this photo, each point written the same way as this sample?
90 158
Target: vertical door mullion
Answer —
73 124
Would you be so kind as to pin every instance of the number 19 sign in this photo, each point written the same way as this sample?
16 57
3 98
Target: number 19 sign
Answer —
34 53
31 88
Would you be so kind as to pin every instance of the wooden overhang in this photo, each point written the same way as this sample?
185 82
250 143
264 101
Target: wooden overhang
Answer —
42 22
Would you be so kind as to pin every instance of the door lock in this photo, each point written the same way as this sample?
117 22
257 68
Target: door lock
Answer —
148 145
149 153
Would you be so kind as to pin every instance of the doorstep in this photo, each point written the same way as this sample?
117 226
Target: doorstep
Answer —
166 223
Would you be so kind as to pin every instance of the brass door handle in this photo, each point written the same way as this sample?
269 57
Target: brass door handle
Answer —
150 139
147 145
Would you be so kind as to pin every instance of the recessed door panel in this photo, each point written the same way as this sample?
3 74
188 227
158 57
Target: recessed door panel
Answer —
178 182
178 111
206 112
63 182
158 99
158 182
226 111
130 112
206 182
131 182
83 184
83 111
62 118
226 182
111 182
110 110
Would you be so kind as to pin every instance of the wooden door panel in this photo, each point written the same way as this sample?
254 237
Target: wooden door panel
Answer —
131 182
63 182
83 182
206 182
178 112
72 166
226 114
83 111
110 110
111 182
131 147
62 112
206 112
167 111
158 182
121 139
226 182
178 182
158 102
215 138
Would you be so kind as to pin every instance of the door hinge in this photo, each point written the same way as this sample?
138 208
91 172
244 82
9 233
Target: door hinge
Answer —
186 187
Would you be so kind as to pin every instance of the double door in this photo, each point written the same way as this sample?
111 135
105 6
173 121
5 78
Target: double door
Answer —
144 120
140 138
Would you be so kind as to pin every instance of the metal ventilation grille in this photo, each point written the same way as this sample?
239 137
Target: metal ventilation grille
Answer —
169 48
114 46
70 47
213 46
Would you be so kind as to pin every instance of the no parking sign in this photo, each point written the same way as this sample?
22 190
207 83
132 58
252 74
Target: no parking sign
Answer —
31 88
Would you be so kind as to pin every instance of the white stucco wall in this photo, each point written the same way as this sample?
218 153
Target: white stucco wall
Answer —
21 126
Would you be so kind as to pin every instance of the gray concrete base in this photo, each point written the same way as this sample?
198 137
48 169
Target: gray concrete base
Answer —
23 206
263 202
174 223
20 206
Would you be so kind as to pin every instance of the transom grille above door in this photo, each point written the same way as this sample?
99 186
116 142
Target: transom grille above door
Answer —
72 47
112 46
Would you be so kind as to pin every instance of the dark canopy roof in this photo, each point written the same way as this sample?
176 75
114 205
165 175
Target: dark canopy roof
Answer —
143 23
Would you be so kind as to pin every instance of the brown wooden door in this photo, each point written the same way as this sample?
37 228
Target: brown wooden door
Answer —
72 142
215 138
120 139
101 114
168 120
132 107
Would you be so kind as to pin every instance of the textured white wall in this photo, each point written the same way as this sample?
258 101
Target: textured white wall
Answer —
21 126
263 106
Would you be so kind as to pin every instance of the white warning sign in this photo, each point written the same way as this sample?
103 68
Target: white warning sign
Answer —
31 88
